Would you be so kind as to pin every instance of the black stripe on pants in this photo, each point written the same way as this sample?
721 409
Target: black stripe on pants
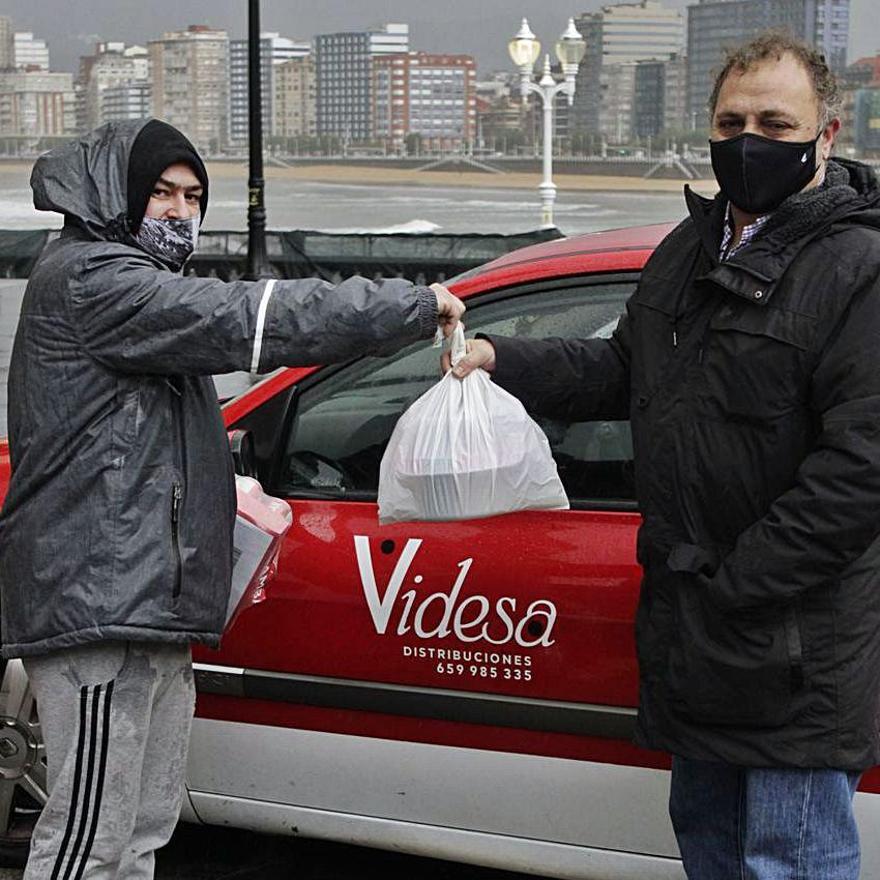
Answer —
91 750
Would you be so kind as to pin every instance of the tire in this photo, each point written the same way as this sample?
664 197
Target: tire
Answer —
22 765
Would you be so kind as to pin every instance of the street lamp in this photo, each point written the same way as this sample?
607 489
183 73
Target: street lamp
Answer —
258 265
524 50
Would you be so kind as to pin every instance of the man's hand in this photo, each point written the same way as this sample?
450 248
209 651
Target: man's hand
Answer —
480 353
449 309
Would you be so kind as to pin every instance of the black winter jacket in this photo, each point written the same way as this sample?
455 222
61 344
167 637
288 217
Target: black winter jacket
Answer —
753 388
119 516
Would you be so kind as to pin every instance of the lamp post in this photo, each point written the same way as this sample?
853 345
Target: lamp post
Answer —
524 51
258 265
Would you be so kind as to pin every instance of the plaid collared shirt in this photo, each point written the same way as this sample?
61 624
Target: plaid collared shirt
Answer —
748 233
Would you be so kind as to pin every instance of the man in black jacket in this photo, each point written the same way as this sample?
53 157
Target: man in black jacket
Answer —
748 362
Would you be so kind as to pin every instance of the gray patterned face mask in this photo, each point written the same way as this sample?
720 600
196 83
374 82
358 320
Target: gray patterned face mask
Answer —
170 240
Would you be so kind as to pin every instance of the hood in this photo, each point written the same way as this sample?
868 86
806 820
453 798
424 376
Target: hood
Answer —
85 180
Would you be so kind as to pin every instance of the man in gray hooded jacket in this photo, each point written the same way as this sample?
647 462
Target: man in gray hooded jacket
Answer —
116 532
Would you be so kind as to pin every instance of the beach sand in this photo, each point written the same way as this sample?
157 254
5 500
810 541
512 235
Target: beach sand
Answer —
367 175
374 176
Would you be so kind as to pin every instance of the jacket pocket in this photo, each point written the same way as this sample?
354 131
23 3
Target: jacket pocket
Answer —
735 669
754 361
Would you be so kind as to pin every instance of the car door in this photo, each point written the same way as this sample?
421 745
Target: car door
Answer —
511 634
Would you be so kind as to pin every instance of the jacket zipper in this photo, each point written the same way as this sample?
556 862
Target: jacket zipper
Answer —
176 495
177 489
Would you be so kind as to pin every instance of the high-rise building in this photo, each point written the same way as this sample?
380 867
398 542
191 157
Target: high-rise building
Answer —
128 100
190 83
620 35
274 50
343 67
36 104
860 75
618 83
717 25
429 96
31 53
659 100
116 73
7 44
867 121
294 98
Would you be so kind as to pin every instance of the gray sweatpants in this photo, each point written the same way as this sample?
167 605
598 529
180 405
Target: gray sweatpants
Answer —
116 718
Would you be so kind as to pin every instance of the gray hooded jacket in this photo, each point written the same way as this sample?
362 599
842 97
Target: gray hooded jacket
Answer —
118 519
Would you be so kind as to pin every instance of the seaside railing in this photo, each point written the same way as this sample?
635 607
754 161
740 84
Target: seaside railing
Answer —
420 257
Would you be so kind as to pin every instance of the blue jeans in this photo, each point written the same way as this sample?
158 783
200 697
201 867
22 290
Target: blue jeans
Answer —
742 823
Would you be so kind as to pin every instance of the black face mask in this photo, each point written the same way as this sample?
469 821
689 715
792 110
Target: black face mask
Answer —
758 174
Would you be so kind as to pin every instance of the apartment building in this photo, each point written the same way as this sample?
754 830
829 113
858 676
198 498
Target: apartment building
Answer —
344 73
112 84
294 97
717 25
30 52
430 96
36 104
7 44
189 71
274 51
616 37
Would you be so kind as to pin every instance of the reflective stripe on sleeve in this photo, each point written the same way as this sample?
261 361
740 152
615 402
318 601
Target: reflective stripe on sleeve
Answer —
261 321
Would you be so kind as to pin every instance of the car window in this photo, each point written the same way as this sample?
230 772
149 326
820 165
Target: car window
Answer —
344 421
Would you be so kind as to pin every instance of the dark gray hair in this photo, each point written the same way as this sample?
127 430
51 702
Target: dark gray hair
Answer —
775 44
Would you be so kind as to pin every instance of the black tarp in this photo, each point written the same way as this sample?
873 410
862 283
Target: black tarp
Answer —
424 258
19 250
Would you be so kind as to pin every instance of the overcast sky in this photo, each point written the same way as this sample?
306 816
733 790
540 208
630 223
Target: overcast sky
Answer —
477 27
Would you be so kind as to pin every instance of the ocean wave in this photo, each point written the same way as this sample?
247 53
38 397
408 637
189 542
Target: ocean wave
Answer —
410 227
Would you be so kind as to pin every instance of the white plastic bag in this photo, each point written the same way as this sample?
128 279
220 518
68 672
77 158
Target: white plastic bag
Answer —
466 449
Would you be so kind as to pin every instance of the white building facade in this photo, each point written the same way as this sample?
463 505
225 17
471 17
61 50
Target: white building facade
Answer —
36 104
112 84
274 50
31 53
189 73
294 97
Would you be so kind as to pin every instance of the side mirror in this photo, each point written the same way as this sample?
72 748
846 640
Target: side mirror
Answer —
241 445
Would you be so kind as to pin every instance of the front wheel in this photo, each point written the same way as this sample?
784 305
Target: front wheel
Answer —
22 765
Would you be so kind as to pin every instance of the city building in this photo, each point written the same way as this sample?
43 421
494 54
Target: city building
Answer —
30 53
717 25
294 98
659 99
128 100
7 44
860 75
502 123
424 96
274 50
617 83
343 68
867 122
617 36
112 84
190 84
35 104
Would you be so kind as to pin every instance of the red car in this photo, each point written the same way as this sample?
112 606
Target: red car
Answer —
463 690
